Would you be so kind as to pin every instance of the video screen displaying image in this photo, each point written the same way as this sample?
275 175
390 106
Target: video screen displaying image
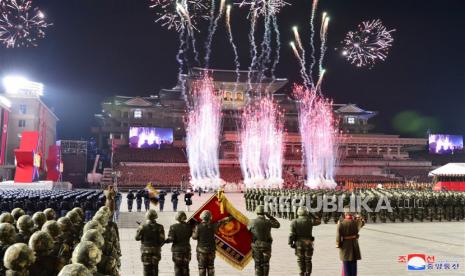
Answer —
445 144
150 137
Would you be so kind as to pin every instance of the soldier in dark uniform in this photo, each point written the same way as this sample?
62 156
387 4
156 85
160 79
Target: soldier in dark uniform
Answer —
139 196
180 234
204 233
301 239
39 219
261 240
161 200
146 200
130 198
188 199
50 214
347 242
174 200
152 236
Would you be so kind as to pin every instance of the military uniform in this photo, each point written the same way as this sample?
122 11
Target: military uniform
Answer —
130 199
7 238
45 264
204 233
261 240
152 236
347 242
180 234
301 239
17 260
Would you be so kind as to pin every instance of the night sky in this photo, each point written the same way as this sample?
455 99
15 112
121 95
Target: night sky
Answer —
100 48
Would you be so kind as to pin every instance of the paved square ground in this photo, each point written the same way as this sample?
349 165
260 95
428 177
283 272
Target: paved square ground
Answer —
381 245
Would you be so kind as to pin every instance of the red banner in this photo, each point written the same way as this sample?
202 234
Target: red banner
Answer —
233 240
26 158
449 186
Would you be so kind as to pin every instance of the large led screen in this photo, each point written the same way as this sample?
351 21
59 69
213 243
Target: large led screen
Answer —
150 137
445 144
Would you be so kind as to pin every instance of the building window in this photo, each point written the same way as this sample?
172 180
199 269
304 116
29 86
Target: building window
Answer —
22 108
22 123
150 115
138 113
125 114
351 120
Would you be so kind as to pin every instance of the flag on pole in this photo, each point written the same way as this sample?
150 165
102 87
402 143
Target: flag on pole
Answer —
233 240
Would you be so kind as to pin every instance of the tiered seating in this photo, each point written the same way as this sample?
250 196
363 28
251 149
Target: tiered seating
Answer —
231 174
140 175
168 155
363 178
417 174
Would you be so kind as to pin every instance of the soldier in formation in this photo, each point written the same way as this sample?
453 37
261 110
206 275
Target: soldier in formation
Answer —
301 239
204 233
152 237
179 235
262 240
407 205
43 246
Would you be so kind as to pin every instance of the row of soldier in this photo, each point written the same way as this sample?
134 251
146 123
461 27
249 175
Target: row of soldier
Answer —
45 245
152 237
32 201
405 204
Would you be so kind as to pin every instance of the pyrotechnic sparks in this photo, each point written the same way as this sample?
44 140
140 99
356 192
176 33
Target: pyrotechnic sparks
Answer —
262 137
318 133
21 25
175 14
264 7
203 134
231 40
307 74
212 29
368 44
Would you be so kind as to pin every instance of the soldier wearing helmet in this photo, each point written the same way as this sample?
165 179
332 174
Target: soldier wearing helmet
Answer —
50 214
46 264
180 234
8 218
87 254
18 258
152 236
25 226
74 270
39 219
204 233
301 239
261 239
7 238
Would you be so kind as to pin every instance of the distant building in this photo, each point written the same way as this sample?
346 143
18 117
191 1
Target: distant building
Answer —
353 119
167 108
28 113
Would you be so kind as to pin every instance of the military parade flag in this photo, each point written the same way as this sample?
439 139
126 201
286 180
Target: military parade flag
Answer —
233 240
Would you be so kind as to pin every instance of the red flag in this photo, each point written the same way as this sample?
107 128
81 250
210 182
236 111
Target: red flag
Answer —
233 240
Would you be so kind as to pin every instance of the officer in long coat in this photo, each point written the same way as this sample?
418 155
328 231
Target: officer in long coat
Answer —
347 241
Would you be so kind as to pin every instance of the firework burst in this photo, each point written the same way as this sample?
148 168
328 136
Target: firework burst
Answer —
264 7
21 25
318 131
262 137
175 14
203 134
368 44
